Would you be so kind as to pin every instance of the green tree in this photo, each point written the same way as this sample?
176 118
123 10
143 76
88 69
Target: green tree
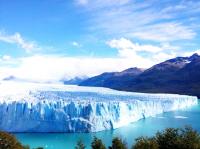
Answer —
171 138
145 143
80 145
117 143
190 139
8 141
97 144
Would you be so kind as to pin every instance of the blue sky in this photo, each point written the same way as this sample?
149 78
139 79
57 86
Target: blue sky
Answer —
88 37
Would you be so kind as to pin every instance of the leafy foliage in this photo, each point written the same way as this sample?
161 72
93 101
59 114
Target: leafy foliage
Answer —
97 144
171 138
146 143
118 143
80 145
8 141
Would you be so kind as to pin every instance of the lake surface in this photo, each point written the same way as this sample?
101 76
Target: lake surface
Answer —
145 127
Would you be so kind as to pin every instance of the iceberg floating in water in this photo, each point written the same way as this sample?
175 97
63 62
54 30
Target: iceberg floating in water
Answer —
29 107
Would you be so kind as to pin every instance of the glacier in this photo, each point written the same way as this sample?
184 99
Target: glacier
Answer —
34 107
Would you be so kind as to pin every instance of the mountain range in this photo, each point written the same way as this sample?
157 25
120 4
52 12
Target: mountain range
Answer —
73 81
180 75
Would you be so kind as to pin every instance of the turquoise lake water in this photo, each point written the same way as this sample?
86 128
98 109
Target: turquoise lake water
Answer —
145 127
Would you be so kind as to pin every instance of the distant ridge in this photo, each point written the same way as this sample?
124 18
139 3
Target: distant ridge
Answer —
9 78
113 79
179 75
73 81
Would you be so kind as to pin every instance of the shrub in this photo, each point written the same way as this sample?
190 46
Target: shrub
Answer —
145 143
117 143
170 138
97 144
80 145
8 141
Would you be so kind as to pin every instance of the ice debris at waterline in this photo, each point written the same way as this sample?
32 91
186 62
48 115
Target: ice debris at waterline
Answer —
29 107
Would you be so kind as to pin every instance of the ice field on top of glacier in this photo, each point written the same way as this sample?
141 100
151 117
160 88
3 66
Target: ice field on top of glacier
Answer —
33 107
65 92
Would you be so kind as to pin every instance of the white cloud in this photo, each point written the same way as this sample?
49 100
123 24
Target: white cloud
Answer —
45 68
17 39
51 68
6 57
128 49
94 4
165 32
168 46
163 56
81 2
156 20
76 44
191 53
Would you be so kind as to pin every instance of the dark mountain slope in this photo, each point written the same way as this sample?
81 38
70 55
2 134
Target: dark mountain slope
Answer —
113 79
74 81
179 75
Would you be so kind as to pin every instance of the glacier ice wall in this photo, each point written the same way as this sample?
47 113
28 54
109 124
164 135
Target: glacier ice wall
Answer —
29 107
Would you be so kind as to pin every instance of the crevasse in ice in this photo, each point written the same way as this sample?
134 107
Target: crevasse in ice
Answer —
31 107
